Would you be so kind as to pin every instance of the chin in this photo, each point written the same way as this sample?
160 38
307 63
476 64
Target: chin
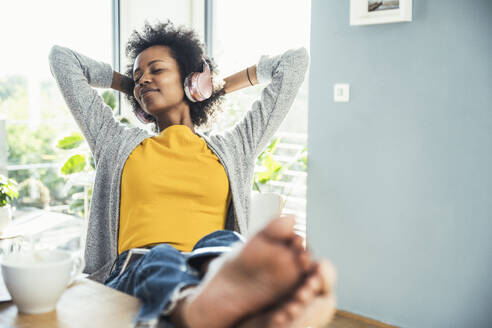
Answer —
152 108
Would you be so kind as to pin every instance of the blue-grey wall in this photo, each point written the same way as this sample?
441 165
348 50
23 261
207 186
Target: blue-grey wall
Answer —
400 178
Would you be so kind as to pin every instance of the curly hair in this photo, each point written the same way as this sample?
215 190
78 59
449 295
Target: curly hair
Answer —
188 51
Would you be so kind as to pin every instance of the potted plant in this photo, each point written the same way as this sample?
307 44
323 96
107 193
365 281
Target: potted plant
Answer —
8 192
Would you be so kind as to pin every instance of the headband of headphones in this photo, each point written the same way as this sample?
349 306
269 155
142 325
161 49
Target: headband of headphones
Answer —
197 87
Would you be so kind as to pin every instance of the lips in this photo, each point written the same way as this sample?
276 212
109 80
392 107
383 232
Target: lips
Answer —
145 91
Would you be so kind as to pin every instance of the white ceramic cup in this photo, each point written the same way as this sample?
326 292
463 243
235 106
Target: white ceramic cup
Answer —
263 208
37 279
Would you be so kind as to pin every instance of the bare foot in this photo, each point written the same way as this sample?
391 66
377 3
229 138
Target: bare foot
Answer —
297 242
268 267
314 313
311 305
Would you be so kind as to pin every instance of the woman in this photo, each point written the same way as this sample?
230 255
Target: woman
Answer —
181 193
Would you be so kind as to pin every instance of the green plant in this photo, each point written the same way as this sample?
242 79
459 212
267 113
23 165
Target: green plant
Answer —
8 190
79 156
83 161
273 170
30 141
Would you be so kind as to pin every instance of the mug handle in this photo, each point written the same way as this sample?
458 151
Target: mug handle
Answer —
78 265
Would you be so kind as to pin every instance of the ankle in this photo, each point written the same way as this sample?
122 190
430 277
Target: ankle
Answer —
180 314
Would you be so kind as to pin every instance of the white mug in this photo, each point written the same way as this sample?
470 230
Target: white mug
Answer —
263 208
37 278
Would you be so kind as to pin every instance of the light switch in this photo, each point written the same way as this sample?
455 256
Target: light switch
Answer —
341 92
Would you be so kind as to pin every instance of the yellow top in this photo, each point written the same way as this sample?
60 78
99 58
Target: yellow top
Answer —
173 190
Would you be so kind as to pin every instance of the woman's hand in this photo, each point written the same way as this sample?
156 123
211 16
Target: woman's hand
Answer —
122 83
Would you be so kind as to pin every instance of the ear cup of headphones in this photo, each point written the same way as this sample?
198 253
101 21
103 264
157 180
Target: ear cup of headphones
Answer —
198 85
204 82
143 117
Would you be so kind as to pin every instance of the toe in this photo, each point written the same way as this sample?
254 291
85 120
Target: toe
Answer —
305 261
298 243
293 309
279 319
304 295
328 275
315 284
281 228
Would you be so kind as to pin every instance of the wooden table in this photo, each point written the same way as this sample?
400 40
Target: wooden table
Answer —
84 304
90 304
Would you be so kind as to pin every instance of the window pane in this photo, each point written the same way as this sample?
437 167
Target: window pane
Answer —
35 112
134 13
238 42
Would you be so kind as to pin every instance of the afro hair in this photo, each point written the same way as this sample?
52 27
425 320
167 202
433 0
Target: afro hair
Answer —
189 52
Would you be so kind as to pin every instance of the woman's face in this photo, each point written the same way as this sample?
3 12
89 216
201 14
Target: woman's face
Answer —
156 69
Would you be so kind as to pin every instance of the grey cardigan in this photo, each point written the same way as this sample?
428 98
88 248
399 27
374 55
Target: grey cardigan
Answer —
112 142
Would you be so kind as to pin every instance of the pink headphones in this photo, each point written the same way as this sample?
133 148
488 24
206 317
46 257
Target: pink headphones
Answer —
197 87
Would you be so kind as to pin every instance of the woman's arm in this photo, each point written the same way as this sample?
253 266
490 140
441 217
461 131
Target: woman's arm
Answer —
241 80
122 83
286 73
236 81
76 76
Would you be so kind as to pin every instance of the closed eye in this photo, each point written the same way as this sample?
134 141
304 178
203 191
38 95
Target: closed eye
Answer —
154 71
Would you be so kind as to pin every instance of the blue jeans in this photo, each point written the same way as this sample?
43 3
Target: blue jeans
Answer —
156 277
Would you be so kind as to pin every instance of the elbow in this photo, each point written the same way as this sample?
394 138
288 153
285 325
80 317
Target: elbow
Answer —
297 60
55 57
55 50
302 53
302 59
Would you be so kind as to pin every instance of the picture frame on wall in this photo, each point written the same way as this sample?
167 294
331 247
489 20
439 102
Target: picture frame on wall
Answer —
368 12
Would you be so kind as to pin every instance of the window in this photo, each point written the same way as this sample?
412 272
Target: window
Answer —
267 27
133 14
238 41
35 115
34 111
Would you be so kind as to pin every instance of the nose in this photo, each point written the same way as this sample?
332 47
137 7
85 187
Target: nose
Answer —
144 80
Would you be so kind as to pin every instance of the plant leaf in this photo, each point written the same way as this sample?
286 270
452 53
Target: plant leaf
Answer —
269 150
72 141
74 164
92 163
273 168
